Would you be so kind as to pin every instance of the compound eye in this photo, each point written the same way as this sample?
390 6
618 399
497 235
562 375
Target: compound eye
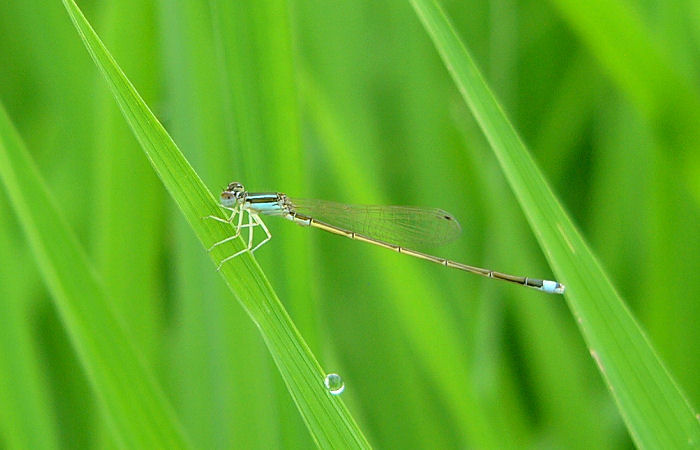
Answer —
235 187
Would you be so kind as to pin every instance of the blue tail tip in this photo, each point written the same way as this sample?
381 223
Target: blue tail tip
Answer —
553 287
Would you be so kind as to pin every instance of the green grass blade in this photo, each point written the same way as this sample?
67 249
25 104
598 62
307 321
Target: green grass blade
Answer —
655 411
326 416
134 405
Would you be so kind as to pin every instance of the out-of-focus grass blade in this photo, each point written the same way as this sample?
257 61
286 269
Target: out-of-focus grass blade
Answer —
133 403
424 321
630 53
655 411
214 336
26 420
328 420
128 267
638 60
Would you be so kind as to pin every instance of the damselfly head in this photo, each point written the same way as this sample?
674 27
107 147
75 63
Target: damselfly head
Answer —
235 187
232 194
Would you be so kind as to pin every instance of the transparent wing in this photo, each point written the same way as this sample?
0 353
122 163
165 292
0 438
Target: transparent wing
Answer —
400 225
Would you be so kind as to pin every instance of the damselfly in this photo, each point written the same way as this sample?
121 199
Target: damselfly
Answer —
390 227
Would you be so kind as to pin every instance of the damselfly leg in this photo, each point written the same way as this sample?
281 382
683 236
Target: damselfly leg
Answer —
253 221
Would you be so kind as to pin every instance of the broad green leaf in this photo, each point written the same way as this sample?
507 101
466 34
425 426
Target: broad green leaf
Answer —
655 411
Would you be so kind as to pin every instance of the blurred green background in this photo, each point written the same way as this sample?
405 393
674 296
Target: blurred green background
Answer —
350 102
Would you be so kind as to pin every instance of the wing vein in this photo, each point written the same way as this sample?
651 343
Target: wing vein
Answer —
399 225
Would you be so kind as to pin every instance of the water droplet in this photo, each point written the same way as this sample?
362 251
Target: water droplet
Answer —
334 383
